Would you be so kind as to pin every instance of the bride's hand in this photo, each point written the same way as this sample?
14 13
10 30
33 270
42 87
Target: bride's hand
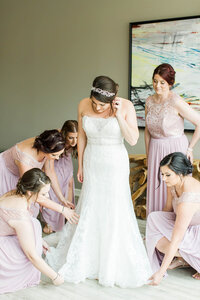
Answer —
80 175
117 105
70 215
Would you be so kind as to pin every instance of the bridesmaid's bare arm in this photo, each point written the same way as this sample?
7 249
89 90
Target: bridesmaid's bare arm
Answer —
193 116
25 234
147 136
50 171
184 214
68 213
168 205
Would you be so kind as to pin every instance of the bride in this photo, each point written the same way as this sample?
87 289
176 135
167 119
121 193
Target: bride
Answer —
106 244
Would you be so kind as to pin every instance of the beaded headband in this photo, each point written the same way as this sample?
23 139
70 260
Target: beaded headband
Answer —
102 92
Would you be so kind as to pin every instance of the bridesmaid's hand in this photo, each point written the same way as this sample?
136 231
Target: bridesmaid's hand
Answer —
80 175
189 155
45 247
59 280
69 204
70 215
155 278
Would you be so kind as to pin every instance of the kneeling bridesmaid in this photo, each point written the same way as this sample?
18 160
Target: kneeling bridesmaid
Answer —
20 234
173 235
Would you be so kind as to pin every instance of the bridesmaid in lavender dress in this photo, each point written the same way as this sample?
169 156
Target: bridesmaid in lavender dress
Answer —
64 171
175 233
39 152
21 241
164 133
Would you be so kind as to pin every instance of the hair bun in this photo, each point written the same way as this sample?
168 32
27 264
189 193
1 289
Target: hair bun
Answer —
190 166
20 188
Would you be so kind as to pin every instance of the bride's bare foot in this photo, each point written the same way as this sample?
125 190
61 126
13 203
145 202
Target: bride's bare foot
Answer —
47 229
177 263
196 276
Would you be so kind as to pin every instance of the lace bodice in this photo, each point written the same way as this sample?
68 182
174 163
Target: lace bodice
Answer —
188 197
7 214
101 131
15 153
162 119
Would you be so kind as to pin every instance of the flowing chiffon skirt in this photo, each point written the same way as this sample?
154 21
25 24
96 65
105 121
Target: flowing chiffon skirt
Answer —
8 180
16 270
158 149
64 172
161 224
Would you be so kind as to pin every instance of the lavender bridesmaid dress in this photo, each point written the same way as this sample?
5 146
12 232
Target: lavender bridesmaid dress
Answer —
16 270
64 171
160 224
166 128
9 173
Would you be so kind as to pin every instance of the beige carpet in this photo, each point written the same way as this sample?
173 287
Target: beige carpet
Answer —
179 285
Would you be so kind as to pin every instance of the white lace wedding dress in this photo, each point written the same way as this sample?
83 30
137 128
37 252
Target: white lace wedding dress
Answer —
106 244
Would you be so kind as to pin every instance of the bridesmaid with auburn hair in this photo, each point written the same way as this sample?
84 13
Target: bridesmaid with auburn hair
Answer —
64 171
164 133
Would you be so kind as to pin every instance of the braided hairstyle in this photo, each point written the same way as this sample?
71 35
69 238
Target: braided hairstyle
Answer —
50 141
32 180
178 163
70 126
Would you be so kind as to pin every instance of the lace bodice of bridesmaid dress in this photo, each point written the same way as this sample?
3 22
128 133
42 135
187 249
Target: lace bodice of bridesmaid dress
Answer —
7 214
162 119
15 153
187 197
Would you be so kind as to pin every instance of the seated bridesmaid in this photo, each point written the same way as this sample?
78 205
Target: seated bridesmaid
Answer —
36 152
20 234
173 235
64 171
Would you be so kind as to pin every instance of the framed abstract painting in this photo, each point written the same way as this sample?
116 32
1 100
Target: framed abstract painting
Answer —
173 41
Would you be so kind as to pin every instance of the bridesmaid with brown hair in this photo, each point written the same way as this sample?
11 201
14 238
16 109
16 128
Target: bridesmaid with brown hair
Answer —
21 241
36 152
64 171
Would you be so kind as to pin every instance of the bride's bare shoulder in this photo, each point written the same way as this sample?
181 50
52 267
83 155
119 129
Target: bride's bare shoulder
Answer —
125 101
84 105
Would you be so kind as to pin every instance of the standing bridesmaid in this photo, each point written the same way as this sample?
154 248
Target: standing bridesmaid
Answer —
164 133
64 171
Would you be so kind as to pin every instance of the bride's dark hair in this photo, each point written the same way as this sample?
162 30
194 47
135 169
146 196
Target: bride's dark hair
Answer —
104 83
